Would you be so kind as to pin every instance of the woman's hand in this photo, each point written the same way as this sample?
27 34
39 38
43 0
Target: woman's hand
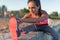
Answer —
19 20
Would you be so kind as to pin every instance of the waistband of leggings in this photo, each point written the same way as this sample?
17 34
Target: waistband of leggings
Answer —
41 24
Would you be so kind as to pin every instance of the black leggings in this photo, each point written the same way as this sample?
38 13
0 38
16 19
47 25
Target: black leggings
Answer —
44 28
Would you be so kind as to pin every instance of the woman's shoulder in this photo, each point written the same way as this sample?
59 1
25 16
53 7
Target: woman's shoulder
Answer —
44 12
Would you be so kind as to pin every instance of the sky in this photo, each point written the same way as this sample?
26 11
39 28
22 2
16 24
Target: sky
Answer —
47 5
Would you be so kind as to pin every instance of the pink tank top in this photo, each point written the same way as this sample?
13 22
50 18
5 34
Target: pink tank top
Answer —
42 22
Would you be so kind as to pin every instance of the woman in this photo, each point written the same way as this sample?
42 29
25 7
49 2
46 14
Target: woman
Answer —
39 18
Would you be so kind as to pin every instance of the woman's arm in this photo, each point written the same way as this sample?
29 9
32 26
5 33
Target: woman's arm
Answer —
33 20
24 17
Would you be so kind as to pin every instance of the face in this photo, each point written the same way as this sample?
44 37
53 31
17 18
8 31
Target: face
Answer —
32 7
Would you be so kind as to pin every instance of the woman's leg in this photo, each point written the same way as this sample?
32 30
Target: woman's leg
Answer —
53 33
29 28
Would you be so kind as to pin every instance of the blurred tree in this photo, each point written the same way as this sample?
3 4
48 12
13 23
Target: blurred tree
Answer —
16 13
22 12
54 15
0 10
12 12
4 8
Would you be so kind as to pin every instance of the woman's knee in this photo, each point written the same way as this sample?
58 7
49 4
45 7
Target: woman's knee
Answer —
29 28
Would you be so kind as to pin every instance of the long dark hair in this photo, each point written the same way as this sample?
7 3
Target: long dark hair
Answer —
38 4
